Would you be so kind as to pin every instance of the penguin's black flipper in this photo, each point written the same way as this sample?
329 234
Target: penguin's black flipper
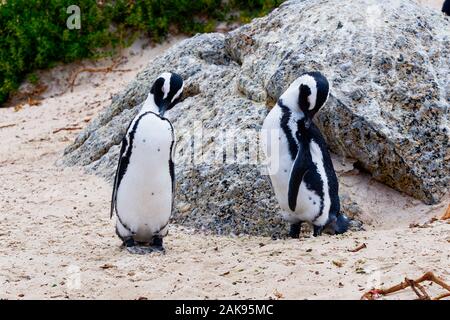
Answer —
171 163
121 168
299 168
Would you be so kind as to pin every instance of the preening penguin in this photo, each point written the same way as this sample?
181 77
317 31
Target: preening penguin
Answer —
144 183
300 167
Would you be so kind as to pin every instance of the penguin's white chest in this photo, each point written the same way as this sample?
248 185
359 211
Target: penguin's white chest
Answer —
279 160
144 196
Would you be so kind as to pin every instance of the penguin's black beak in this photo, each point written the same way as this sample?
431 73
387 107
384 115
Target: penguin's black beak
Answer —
163 108
307 121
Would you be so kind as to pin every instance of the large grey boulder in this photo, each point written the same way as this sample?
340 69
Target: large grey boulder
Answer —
387 62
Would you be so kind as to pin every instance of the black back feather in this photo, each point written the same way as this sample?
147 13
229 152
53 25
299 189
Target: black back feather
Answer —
446 7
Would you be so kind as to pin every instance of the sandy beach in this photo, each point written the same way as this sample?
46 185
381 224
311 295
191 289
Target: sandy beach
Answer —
57 241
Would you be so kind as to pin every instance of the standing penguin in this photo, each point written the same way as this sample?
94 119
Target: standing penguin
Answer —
300 166
144 183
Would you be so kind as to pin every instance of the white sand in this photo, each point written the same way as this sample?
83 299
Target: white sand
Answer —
56 235
434 4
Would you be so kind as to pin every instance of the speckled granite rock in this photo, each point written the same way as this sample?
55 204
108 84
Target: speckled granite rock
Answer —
388 63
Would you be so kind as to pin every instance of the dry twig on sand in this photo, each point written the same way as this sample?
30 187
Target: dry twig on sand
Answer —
424 225
360 247
67 129
7 125
415 286
111 68
33 97
446 214
18 107
33 102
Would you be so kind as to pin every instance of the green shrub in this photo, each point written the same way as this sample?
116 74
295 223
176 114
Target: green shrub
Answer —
34 35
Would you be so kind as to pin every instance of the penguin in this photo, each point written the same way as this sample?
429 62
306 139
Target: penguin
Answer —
300 167
446 7
144 182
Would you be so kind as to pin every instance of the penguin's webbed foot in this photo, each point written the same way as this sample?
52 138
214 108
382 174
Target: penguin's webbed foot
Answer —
133 247
129 242
157 244
138 248
294 231
317 231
